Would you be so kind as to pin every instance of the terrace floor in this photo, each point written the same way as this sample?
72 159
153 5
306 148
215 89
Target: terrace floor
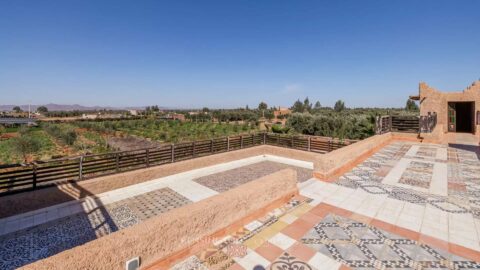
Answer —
409 206
42 233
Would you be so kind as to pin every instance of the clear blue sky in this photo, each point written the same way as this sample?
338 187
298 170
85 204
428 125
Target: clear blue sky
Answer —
233 53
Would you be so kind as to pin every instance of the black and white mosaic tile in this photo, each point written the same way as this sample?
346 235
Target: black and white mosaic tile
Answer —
463 178
35 243
227 180
360 246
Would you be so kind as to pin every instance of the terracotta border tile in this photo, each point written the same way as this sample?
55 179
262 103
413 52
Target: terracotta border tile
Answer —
406 233
311 218
301 251
464 252
382 225
434 242
269 251
197 247
297 229
361 218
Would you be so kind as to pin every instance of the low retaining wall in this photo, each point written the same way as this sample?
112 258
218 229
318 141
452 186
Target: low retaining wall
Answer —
178 229
29 201
335 163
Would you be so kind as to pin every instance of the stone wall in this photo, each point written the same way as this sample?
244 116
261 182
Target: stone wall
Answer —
178 229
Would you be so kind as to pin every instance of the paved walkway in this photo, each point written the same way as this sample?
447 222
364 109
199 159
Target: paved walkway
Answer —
42 233
409 206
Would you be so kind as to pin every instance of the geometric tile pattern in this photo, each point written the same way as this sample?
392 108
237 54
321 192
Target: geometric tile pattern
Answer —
227 180
325 243
191 263
358 245
463 178
418 174
156 202
28 245
232 251
286 261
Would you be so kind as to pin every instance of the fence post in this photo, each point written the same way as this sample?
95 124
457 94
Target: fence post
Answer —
265 138
329 145
278 139
34 176
241 141
193 148
253 140
211 145
228 143
80 168
390 123
147 153
172 148
292 141
117 161
309 143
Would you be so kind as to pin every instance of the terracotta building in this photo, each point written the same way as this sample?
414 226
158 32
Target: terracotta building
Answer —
456 111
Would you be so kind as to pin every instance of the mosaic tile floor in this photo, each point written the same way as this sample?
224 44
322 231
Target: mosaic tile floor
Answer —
358 245
418 174
38 242
303 235
226 180
463 177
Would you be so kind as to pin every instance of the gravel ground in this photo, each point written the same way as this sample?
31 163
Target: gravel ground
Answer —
226 180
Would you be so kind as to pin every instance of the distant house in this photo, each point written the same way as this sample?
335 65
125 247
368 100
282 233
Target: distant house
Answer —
89 116
174 116
281 112
133 112
178 116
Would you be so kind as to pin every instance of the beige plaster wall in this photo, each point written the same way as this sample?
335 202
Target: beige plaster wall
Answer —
432 100
28 201
327 165
175 230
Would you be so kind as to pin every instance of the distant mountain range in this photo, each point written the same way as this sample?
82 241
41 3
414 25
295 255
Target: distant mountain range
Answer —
74 107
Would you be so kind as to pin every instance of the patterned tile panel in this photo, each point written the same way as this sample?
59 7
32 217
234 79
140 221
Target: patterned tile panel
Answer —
418 174
227 180
35 243
463 167
358 245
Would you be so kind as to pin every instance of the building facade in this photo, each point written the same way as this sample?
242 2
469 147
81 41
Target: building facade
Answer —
456 111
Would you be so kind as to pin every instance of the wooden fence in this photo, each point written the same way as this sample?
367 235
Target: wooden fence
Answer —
407 124
23 177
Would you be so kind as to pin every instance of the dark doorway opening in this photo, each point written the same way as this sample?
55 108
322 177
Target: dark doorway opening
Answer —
460 116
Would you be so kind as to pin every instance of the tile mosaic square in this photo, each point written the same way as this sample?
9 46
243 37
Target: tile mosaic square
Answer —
301 251
252 260
282 241
418 174
191 263
269 251
359 245
227 180
288 261
457 195
218 260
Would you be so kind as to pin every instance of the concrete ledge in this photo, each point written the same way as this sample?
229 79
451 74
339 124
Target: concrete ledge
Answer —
29 201
176 230
331 165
